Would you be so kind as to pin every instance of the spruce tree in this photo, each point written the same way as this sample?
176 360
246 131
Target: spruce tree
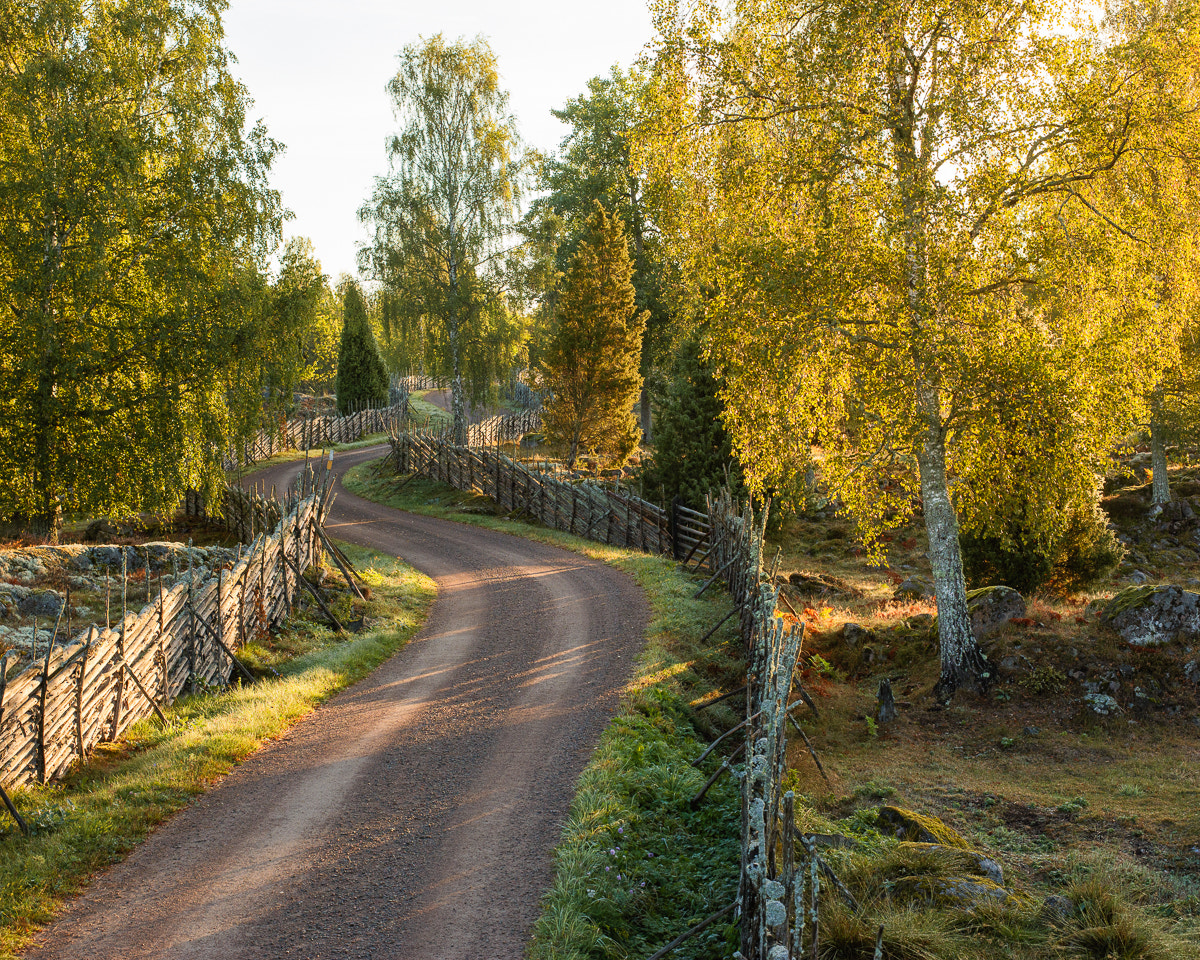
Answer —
591 362
361 375
692 452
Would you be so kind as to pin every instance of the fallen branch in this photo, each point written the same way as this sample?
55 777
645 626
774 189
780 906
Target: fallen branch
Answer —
698 928
811 752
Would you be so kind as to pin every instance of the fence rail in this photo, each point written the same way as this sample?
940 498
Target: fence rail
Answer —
584 509
306 433
92 688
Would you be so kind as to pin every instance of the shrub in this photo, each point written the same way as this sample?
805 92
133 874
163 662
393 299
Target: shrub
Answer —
1085 553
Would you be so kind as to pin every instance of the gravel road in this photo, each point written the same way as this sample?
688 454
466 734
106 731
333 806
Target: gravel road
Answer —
413 815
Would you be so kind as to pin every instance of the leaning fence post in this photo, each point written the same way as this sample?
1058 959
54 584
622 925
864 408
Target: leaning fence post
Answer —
87 646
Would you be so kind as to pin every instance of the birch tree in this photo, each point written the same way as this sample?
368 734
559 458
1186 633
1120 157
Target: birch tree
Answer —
859 194
443 211
135 221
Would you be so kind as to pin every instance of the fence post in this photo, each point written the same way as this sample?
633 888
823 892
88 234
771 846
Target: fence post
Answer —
287 595
163 667
220 619
118 706
41 724
191 637
87 646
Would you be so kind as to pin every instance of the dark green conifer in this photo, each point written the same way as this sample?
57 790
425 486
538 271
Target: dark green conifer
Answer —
361 376
692 451
591 361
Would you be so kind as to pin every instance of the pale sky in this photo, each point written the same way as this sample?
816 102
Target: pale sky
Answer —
317 70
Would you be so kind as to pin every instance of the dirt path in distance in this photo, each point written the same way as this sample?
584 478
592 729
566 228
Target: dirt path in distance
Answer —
411 817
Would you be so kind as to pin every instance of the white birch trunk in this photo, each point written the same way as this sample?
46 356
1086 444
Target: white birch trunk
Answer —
962 662
1160 486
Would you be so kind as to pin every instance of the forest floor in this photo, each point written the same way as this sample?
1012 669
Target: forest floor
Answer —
1029 772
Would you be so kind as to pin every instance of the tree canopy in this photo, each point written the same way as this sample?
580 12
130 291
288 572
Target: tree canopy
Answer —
442 213
866 200
135 219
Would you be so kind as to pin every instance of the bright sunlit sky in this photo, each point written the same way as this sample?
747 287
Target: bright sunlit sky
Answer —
317 70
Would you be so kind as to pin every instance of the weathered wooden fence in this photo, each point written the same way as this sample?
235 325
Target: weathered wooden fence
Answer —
779 891
419 381
584 509
503 429
306 433
92 688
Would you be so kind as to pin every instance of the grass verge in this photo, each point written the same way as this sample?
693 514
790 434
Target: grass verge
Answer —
96 816
636 865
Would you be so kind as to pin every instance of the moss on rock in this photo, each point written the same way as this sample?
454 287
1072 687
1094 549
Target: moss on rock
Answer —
919 828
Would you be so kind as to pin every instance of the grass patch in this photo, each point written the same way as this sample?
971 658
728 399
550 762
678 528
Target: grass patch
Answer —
97 815
636 865
424 412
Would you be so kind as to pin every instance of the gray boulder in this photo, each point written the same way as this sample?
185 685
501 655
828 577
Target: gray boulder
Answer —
41 603
1148 616
992 607
22 601
914 588
854 635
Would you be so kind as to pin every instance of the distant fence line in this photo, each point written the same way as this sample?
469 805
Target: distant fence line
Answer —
306 433
584 509
93 688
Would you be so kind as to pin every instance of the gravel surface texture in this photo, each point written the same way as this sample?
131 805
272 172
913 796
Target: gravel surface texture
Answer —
413 815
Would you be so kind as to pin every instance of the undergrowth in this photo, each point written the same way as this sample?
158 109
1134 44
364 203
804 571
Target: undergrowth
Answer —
94 817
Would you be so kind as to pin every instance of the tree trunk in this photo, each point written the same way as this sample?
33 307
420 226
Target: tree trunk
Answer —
1160 488
644 408
962 662
458 402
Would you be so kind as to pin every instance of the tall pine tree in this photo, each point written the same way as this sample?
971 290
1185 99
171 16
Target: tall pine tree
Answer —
361 375
591 362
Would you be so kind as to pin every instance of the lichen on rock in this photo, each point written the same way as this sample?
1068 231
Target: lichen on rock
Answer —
1149 615
992 607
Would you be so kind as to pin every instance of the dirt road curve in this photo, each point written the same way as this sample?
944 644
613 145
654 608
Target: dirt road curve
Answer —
412 816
